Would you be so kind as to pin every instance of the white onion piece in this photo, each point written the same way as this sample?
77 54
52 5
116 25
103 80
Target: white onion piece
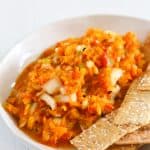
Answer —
52 86
67 98
85 104
90 64
115 75
49 100
80 48
115 91
62 90
33 107
73 97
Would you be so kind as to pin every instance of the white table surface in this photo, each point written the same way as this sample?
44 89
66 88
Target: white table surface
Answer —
19 18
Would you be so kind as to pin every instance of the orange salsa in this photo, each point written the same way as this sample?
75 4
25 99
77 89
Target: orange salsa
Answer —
74 83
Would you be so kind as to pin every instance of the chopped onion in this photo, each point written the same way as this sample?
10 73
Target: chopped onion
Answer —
22 122
66 98
49 100
90 64
33 107
80 48
82 127
73 97
115 75
56 49
85 104
115 91
62 90
52 86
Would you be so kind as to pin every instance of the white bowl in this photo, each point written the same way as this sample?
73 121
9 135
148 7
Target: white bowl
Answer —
27 50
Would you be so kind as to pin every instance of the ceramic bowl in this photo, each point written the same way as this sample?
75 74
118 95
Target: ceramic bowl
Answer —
31 47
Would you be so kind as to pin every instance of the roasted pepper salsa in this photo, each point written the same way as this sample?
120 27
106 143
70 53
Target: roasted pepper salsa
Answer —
74 83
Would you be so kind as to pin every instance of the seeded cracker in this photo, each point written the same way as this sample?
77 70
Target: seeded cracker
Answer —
141 136
135 108
144 84
132 115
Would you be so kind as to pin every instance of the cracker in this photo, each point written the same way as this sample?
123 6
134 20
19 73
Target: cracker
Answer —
135 108
144 83
132 115
101 135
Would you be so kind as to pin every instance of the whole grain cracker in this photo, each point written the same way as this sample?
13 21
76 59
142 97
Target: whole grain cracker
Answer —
107 131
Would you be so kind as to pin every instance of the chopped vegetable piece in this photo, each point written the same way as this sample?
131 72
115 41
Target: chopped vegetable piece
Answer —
73 83
115 75
49 100
52 86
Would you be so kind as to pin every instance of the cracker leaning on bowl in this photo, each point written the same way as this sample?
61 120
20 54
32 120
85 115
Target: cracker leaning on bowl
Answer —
133 114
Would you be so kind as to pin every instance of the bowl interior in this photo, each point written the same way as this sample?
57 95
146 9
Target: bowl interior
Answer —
28 50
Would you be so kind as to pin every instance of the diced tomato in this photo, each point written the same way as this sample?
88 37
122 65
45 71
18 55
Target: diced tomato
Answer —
61 51
14 110
92 109
75 74
66 136
104 60
108 108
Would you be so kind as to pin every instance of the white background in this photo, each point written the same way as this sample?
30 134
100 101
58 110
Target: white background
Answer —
18 18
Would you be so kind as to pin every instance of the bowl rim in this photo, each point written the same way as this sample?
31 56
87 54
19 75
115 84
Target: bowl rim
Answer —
32 34
40 29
